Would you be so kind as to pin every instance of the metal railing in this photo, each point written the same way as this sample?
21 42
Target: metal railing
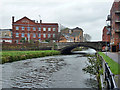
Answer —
109 77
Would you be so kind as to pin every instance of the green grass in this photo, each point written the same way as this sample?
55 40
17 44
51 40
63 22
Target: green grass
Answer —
114 66
11 56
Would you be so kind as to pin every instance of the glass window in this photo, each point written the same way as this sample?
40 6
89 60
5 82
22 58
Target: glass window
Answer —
34 36
28 28
39 35
23 34
44 29
53 29
53 35
28 34
44 35
17 28
23 28
17 34
34 28
39 29
49 35
49 29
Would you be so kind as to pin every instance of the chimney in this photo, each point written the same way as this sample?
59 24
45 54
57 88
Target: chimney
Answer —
12 19
40 21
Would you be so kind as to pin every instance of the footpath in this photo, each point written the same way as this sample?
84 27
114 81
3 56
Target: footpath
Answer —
116 57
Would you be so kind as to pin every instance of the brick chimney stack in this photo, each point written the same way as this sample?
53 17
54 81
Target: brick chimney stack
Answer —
12 19
40 21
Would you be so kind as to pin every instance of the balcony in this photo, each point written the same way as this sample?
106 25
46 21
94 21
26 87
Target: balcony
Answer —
117 31
108 18
117 12
117 21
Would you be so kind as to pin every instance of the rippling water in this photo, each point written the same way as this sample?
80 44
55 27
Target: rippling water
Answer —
63 71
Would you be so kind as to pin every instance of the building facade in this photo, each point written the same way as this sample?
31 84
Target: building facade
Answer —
28 30
106 34
6 35
114 19
72 35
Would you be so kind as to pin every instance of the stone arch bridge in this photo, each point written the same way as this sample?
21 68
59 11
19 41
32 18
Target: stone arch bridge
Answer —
66 47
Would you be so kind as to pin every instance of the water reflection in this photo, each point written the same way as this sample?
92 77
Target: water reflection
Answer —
88 51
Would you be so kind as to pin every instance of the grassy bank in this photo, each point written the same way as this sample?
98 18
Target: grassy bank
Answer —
114 66
11 56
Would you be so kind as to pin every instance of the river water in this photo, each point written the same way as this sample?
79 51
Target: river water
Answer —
62 71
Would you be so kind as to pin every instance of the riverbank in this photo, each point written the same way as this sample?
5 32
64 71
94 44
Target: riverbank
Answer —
11 56
114 66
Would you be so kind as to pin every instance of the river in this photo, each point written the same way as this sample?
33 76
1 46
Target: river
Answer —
62 71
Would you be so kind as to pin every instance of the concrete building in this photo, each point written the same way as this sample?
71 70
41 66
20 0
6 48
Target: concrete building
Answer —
114 19
28 29
6 35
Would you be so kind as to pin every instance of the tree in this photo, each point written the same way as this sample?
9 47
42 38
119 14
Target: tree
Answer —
86 37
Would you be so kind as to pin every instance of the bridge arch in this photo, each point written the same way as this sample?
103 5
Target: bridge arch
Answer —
68 49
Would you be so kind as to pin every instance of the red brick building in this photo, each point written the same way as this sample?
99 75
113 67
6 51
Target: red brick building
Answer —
106 34
28 29
114 18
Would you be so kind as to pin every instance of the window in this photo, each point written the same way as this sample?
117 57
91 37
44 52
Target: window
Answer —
49 29
49 35
44 29
17 34
53 35
44 35
34 36
17 28
39 35
34 28
53 29
23 28
28 28
23 34
39 29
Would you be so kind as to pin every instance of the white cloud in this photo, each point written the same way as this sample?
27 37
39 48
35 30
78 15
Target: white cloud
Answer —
87 14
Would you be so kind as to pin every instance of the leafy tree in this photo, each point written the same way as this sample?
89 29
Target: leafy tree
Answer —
87 37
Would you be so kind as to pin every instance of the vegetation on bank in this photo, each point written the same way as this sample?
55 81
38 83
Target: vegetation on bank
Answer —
114 66
11 56
94 67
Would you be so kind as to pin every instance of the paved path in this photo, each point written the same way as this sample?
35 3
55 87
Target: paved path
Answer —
114 55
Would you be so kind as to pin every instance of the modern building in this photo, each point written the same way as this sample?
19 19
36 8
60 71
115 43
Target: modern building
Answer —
106 34
6 35
72 35
114 19
28 30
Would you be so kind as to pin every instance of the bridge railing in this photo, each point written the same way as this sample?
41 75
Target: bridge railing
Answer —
108 75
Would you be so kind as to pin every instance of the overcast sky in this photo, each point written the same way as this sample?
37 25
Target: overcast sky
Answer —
90 15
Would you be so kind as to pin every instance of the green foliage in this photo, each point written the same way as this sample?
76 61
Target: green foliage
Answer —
93 66
114 66
11 56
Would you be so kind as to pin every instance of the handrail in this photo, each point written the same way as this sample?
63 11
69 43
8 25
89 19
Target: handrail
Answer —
109 76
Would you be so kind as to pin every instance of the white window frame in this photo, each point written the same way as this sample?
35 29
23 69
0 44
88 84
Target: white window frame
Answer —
49 35
23 28
17 35
49 29
39 35
28 28
23 35
39 29
34 28
44 29
17 28
54 29
53 35
44 35
34 35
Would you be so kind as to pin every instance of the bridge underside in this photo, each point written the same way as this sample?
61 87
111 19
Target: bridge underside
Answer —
96 46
